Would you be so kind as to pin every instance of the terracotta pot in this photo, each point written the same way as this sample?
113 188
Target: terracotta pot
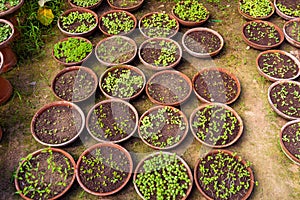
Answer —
247 195
96 146
5 90
56 104
92 7
129 9
176 92
140 164
80 10
72 63
202 55
220 105
272 78
117 11
281 14
157 68
249 17
66 154
12 10
291 40
291 156
115 110
78 69
259 46
127 39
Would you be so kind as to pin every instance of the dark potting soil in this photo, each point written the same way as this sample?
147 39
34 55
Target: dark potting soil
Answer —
290 4
168 88
216 86
125 3
74 85
202 42
285 97
278 65
57 124
293 30
112 121
104 169
291 139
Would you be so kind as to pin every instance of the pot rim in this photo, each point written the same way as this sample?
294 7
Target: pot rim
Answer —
10 38
281 14
291 40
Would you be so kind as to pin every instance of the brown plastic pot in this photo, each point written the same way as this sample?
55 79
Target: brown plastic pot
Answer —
249 17
291 40
247 195
202 55
116 11
281 14
12 9
80 10
92 7
271 78
5 90
129 9
96 146
66 154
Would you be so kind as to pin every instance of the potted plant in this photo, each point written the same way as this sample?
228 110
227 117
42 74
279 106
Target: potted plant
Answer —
45 174
72 51
5 86
116 50
291 30
202 42
262 35
57 123
287 9
112 120
276 65
221 174
163 175
290 140
78 22
88 4
163 127
169 87
216 85
75 84
117 22
127 5
256 9
284 98
190 13
9 6
157 24
216 125
125 82
160 53
104 169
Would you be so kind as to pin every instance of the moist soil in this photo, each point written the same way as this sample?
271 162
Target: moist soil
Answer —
57 124
290 4
168 88
113 19
102 173
216 86
293 145
293 30
278 65
74 85
125 3
112 121
71 28
202 42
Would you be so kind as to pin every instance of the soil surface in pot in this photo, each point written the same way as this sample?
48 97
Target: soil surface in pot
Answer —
202 42
289 7
125 3
291 139
278 65
57 124
74 85
112 121
293 30
216 86
104 169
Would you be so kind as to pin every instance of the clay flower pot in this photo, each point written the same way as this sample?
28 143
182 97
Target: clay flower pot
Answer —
71 27
11 9
277 65
45 167
117 163
5 87
117 22
119 5
290 140
75 84
202 42
290 4
57 124
247 9
291 30
211 170
252 34
87 4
